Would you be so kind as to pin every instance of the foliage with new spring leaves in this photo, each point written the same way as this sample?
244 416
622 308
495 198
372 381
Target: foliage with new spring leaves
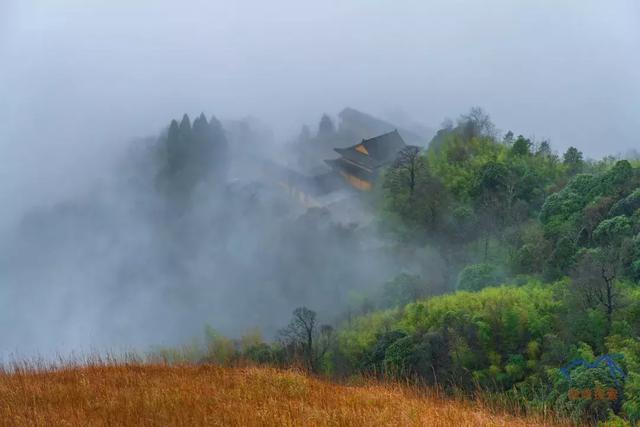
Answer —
544 253
561 232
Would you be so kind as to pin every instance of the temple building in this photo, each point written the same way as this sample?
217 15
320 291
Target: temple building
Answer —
360 164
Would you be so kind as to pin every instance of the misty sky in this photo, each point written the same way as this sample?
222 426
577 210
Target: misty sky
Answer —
79 77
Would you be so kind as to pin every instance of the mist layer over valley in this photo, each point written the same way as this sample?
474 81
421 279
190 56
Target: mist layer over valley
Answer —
176 240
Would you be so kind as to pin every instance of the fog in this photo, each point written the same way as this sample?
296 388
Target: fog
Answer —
84 254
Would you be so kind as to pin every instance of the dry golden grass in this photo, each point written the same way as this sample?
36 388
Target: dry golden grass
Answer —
194 395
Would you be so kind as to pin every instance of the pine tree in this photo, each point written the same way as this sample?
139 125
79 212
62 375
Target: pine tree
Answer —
173 148
193 155
573 160
201 153
326 127
220 149
185 129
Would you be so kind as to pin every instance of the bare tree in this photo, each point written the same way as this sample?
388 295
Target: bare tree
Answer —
476 123
593 282
405 168
305 338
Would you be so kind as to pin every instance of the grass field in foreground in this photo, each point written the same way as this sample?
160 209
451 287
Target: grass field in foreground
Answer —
193 395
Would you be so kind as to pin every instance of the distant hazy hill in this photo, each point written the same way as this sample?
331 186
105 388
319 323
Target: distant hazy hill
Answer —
355 125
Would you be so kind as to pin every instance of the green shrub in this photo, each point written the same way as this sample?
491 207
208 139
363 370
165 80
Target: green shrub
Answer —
403 289
632 392
259 353
373 361
612 230
219 349
401 357
626 206
477 276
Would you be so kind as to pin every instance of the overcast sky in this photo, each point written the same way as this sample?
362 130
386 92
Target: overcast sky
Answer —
78 77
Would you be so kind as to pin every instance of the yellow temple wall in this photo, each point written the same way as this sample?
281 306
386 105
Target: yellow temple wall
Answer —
356 182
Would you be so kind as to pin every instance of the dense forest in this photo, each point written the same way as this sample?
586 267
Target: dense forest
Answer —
539 260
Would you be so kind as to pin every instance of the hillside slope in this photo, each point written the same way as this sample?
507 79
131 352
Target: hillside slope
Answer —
208 395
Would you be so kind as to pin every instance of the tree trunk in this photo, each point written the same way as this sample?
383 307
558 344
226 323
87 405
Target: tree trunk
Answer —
486 247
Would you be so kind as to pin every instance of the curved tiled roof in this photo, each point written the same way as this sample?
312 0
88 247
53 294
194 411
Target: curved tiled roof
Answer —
382 150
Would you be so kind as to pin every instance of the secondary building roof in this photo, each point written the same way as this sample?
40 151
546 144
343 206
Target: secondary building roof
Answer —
373 153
